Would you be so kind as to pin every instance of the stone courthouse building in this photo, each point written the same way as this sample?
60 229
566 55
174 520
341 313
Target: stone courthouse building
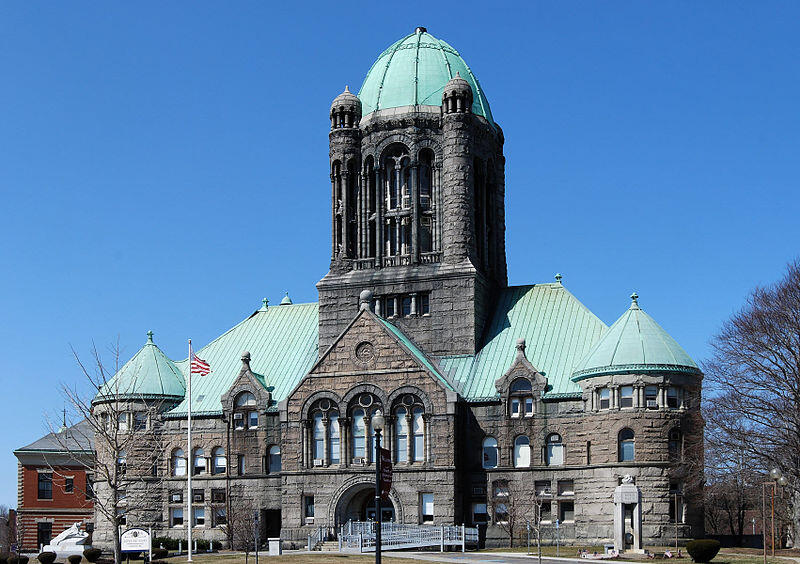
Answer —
494 395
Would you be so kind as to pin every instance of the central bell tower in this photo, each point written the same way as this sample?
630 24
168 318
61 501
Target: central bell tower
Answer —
417 200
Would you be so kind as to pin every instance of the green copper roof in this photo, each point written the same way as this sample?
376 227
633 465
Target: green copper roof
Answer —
414 71
418 354
558 329
148 374
282 342
635 343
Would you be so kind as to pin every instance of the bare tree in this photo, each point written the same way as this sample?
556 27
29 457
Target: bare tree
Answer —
754 382
239 523
126 434
5 530
512 507
534 520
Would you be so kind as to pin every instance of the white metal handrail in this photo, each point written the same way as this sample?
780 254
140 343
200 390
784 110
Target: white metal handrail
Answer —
360 536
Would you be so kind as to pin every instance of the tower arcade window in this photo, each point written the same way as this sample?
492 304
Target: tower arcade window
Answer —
605 398
626 396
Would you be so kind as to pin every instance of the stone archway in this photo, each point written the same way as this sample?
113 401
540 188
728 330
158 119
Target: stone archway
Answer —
355 501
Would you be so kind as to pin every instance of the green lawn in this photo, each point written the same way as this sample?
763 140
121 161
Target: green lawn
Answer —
303 558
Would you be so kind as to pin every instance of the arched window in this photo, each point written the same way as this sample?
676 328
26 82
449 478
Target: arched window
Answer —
427 203
334 438
245 399
490 452
274 459
219 464
521 398
418 428
178 463
522 452
401 434
553 450
626 446
199 461
675 445
359 432
318 444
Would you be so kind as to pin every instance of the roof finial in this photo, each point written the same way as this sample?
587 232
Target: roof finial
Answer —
634 301
558 277
150 336
63 421
347 88
420 29
265 301
286 299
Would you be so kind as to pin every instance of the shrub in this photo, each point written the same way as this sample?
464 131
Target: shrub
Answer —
160 553
92 554
703 550
47 557
21 559
202 545
3 558
74 558
166 542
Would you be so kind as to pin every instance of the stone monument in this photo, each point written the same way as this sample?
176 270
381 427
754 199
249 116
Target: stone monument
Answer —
627 513
72 541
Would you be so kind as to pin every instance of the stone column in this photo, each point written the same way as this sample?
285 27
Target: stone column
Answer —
413 190
344 185
414 303
344 435
304 440
409 437
662 396
614 397
325 450
379 203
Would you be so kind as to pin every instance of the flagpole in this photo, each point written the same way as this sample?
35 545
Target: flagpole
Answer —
189 462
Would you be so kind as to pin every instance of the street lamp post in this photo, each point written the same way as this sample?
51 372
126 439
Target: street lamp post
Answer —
377 424
778 479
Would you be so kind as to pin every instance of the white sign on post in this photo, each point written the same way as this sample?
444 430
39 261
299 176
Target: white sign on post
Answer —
135 540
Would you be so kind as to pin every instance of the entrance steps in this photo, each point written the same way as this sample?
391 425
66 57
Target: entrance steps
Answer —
329 546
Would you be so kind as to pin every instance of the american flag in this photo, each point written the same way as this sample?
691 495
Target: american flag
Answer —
200 366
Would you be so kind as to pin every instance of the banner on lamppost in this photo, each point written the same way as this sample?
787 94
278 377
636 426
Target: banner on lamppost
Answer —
386 473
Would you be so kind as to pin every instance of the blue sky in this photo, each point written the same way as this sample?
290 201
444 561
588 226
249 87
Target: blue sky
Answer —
164 165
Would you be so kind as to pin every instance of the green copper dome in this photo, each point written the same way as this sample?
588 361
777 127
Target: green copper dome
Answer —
635 344
414 71
148 374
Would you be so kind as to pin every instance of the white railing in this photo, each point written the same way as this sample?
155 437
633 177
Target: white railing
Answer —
320 535
360 536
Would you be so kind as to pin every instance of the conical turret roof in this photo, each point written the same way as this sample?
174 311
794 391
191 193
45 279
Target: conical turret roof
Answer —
149 374
635 343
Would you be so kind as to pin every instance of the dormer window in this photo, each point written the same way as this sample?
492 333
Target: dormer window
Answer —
245 416
521 398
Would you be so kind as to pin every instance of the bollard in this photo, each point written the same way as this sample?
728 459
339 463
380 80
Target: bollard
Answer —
180 546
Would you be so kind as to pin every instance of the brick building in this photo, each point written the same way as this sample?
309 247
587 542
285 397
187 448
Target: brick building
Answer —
54 489
493 394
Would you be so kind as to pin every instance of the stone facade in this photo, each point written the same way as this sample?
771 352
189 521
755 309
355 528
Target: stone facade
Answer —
417 268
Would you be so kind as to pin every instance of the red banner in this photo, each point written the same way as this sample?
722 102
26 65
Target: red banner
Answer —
386 473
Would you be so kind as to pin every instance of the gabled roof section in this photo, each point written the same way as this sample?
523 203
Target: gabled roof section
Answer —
635 343
558 330
283 345
417 353
149 374
78 438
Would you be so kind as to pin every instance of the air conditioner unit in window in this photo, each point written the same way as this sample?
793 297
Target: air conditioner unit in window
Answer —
359 460
176 497
318 462
652 404
309 520
238 416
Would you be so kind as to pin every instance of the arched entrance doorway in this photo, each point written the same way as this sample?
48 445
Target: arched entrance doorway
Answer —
357 503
